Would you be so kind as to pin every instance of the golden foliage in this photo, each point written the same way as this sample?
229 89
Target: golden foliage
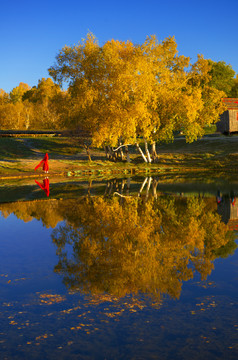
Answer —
122 91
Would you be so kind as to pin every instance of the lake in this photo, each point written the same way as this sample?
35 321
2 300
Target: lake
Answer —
134 268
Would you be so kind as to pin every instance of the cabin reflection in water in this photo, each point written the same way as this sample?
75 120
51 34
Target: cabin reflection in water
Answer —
227 207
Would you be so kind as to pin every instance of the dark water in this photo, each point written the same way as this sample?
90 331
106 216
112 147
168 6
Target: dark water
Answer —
116 271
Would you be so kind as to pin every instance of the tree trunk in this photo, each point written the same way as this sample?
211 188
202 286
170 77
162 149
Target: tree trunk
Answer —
141 152
154 153
147 151
89 186
106 152
122 185
148 188
142 186
154 188
128 186
127 154
107 188
121 153
27 122
110 188
87 151
110 152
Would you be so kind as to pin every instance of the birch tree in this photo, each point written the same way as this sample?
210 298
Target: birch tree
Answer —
126 93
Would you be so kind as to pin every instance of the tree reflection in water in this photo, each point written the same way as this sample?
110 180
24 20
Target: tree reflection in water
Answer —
120 244
128 245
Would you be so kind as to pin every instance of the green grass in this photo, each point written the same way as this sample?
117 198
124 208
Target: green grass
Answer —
11 148
19 156
57 145
220 145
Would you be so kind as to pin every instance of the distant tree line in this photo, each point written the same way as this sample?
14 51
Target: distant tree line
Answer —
123 94
38 108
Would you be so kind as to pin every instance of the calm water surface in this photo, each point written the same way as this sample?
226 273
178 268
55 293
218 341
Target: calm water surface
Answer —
119 270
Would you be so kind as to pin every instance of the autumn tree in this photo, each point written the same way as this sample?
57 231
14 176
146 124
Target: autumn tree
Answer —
4 97
122 92
222 76
40 107
15 116
234 89
46 99
17 93
13 113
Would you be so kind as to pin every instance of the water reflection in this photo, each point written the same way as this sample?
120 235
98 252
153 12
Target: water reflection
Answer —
137 237
121 244
227 207
45 186
136 246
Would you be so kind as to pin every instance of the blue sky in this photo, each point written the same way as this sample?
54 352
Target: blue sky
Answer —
33 31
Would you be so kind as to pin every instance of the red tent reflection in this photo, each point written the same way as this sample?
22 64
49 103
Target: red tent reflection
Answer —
45 186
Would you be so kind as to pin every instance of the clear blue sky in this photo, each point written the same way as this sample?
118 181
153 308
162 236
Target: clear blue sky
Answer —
33 31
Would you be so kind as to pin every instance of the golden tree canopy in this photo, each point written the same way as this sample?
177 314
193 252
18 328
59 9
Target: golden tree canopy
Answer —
124 91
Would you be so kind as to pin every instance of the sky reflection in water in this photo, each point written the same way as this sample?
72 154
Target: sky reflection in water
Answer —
119 277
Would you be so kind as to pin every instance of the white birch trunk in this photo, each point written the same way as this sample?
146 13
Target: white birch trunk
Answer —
122 185
122 154
147 151
142 186
141 152
154 152
154 188
148 188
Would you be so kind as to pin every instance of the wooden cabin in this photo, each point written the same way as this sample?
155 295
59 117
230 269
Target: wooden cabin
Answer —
229 119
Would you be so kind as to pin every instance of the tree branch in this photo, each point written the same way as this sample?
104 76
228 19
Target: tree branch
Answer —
121 146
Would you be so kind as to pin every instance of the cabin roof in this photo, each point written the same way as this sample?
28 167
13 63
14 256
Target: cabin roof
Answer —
231 103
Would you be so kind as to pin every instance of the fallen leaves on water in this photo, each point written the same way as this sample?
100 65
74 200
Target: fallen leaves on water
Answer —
49 299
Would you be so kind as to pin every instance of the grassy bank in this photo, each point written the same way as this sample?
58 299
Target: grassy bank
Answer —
19 156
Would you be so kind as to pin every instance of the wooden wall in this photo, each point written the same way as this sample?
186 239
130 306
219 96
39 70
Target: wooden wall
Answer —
228 121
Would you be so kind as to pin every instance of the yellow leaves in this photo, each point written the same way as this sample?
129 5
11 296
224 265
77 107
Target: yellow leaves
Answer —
122 85
206 305
68 311
41 337
133 89
50 299
17 93
113 314
201 69
13 322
